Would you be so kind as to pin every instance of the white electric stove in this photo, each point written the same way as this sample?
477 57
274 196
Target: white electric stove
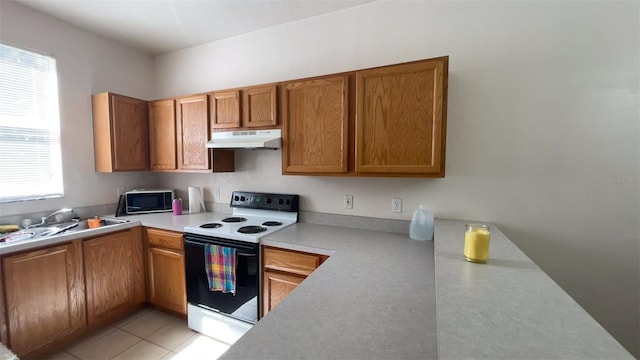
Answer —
227 316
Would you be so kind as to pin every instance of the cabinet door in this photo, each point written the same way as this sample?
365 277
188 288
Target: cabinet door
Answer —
225 109
130 133
44 295
260 107
120 133
276 286
162 135
4 336
114 274
400 118
315 126
192 132
167 288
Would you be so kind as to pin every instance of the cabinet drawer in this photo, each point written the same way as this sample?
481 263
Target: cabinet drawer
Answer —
164 238
290 261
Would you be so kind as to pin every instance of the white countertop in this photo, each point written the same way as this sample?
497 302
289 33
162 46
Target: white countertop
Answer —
373 299
384 296
508 308
166 221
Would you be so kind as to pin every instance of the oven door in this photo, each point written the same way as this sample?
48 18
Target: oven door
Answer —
244 304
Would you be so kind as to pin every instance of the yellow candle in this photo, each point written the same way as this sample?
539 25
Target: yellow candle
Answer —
476 243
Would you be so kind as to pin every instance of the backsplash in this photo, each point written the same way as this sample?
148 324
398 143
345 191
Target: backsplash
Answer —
356 222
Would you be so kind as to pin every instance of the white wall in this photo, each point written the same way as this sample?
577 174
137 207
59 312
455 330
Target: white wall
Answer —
87 64
543 130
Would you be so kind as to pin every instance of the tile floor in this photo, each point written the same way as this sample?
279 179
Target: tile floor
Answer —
146 335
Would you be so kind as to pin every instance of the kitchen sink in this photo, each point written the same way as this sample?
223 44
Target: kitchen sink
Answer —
54 230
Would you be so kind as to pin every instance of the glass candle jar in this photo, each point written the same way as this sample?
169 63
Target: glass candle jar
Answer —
476 243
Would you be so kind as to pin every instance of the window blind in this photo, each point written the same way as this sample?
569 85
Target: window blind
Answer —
30 156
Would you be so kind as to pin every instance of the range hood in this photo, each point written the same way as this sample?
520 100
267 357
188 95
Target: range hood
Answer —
250 139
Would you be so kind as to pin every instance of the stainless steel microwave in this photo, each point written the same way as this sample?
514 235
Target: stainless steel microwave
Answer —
148 201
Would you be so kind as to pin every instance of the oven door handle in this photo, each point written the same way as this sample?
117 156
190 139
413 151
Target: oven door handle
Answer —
190 242
197 243
245 254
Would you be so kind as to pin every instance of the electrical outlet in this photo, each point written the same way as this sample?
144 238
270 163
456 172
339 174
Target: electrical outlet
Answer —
119 190
216 193
396 205
348 201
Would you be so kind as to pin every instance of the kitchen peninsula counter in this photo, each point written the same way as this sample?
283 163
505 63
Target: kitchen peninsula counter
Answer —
383 296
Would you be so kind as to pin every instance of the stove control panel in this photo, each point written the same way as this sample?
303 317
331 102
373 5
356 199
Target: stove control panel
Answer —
264 201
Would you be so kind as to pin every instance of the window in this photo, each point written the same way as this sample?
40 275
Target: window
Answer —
30 158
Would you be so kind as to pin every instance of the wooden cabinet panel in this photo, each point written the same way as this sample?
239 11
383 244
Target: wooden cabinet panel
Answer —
167 287
400 112
166 270
283 271
165 239
162 135
114 273
315 125
225 109
260 107
276 286
120 133
4 335
192 119
290 261
45 295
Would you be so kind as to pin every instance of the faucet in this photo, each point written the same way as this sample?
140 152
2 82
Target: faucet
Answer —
58 216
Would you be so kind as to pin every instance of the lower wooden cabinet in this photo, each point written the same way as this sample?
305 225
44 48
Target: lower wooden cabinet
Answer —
283 271
277 286
114 274
45 296
166 272
4 335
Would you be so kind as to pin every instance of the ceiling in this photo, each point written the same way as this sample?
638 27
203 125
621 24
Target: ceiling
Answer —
159 26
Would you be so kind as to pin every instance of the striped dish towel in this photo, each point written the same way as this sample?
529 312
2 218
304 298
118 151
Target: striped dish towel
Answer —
220 264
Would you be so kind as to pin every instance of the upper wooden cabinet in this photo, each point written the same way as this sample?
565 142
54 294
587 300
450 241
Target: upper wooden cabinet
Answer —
162 135
252 107
391 123
192 119
315 123
178 132
45 296
120 133
4 334
225 109
260 106
400 118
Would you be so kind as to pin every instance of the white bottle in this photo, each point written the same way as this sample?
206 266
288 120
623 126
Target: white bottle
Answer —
421 227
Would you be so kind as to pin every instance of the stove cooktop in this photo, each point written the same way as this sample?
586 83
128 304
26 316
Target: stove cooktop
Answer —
254 216
250 230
